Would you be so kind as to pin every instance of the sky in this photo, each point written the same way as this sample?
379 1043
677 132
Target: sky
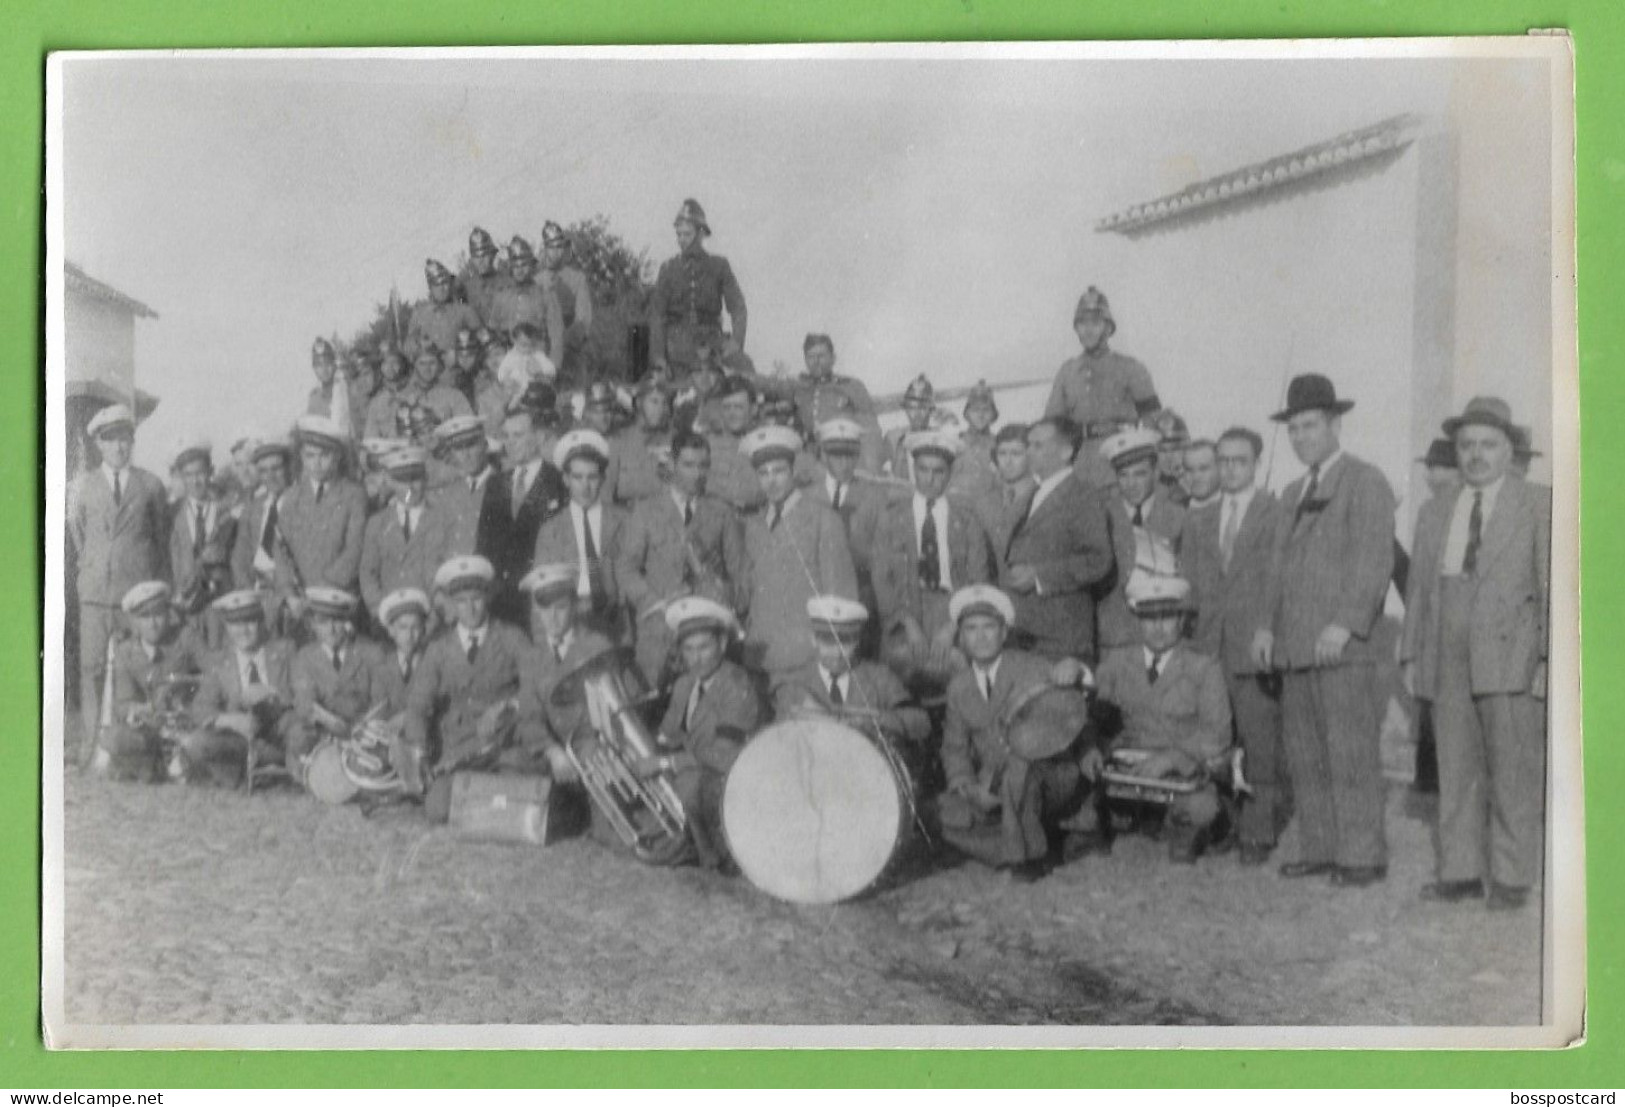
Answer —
933 216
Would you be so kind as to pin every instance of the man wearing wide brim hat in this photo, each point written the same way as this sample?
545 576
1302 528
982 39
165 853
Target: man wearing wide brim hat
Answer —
691 290
1000 807
1173 709
118 529
154 672
1475 648
1101 390
1333 558
323 517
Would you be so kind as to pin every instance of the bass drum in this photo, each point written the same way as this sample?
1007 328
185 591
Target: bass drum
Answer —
814 811
325 776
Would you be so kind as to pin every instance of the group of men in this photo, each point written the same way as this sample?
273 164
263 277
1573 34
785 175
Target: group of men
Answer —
763 549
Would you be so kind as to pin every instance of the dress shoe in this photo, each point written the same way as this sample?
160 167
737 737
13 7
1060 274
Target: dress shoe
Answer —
1030 872
1255 853
1293 870
1453 891
1359 876
1504 897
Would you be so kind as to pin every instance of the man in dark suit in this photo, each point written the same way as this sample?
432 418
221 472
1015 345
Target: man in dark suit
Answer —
1225 555
1475 647
1145 525
536 489
1059 549
1331 560
587 532
118 527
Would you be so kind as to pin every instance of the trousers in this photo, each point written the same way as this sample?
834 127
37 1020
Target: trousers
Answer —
1033 797
1330 722
1255 705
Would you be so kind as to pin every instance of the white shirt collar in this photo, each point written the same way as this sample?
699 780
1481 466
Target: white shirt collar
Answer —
562 646
1151 655
1490 492
1046 486
678 498
831 485
1242 500
789 501
256 656
1326 466
108 471
991 673
826 676
468 637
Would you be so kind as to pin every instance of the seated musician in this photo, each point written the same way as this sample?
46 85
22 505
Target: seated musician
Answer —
404 615
715 708
1173 707
243 711
154 672
1000 808
460 704
864 694
339 680
561 646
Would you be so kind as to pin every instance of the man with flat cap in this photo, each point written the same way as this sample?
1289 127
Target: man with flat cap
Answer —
323 518
691 290
1101 390
155 671
1331 559
1475 647
435 321
569 286
525 300
485 278
118 529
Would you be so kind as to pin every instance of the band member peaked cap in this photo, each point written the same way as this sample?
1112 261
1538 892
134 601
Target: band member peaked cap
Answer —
771 442
939 442
546 583
461 429
520 250
400 602
319 430
147 598
275 446
110 420
322 350
464 571
553 235
436 273
468 340
691 212
983 395
480 242
839 432
333 602
837 615
581 443
601 393
1093 305
245 605
194 451
1310 392
1153 594
405 461
687 614
981 599
919 390
1484 411
1127 447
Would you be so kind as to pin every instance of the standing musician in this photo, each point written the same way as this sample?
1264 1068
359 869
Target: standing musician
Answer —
200 542
162 649
684 542
795 548
338 679
1101 390
588 532
477 506
408 538
690 293
919 404
536 488
561 647
715 708
323 518
1145 526
1000 808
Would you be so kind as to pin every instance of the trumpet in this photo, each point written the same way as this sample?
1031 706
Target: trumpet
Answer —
646 814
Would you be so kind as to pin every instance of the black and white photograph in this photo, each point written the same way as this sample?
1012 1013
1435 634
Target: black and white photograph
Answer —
950 545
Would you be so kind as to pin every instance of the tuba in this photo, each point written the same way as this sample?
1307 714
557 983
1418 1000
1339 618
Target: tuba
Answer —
646 814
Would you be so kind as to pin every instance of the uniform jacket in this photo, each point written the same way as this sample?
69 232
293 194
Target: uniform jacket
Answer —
871 687
389 561
1229 602
1330 563
863 502
380 420
392 681
974 474
806 553
556 544
654 561
136 676
1187 709
691 290
222 687
1164 520
448 694
481 291
833 397
439 324
1103 392
541 724
208 564
569 286
1068 541
728 715
1511 589
479 521
633 472
896 558
530 303
359 684
324 538
974 748
121 545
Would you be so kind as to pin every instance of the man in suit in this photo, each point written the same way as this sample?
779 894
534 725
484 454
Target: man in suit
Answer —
795 548
1331 559
1000 506
636 453
243 710
161 650
587 533
259 536
478 507
118 528
561 647
200 543
1226 556
715 709
1001 808
460 705
536 488
408 538
338 679
1199 473
323 518
682 543
859 499
1171 708
1059 549
1145 525
1475 647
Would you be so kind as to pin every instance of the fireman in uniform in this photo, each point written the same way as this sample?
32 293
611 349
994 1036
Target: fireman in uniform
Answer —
437 320
1102 390
690 293
486 279
919 404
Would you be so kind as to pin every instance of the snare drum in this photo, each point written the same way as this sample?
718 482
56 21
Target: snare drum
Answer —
815 812
325 776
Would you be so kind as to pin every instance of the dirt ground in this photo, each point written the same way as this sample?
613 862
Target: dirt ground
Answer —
197 906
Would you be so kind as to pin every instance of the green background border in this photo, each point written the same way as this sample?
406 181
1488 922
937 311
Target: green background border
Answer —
36 27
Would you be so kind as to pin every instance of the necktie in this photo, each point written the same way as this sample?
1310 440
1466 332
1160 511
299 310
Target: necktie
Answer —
930 569
835 696
199 534
1139 515
693 704
595 580
1227 533
688 512
253 672
558 652
338 661
1475 534
473 485
1309 491
835 500
406 668
473 648
406 523
118 487
773 514
268 537
320 485
1153 670
519 489
987 686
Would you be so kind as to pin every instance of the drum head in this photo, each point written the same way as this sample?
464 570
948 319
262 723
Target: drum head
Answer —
1046 720
813 811
325 775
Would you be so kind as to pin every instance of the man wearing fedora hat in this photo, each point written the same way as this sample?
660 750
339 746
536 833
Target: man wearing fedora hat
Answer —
691 291
1474 647
1332 556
